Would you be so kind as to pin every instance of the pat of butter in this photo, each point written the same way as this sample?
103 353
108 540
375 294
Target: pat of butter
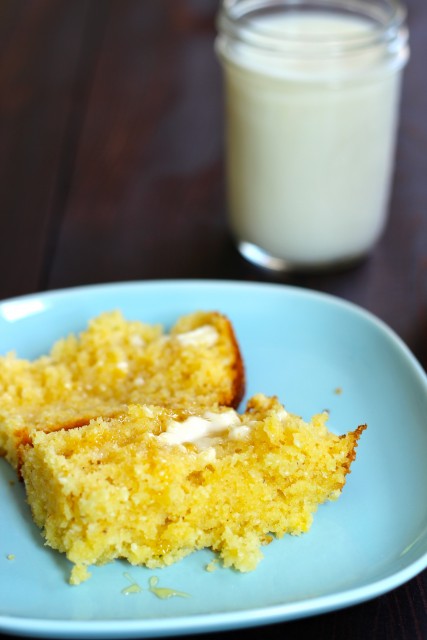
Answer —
203 430
202 336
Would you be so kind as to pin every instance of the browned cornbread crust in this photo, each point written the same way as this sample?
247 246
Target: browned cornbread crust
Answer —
113 363
147 488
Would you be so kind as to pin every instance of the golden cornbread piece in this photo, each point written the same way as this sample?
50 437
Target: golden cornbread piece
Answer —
116 362
157 484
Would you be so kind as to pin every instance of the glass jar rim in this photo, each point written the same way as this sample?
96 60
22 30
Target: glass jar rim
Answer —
235 20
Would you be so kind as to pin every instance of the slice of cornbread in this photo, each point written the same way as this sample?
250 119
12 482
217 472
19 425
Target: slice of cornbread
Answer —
115 362
156 484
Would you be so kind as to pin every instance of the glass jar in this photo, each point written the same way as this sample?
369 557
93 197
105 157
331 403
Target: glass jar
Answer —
312 101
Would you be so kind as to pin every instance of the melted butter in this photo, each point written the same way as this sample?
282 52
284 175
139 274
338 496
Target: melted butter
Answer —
164 592
202 336
203 431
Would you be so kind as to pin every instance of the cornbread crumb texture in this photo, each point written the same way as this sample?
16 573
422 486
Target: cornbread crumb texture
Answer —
134 487
115 362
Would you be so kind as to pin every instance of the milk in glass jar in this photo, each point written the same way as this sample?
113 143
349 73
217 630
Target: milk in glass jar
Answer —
312 102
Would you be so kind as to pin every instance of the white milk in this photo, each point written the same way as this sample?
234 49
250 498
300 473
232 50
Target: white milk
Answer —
310 142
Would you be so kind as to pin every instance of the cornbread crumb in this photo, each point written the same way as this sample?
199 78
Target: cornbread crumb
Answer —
136 487
164 593
133 587
79 573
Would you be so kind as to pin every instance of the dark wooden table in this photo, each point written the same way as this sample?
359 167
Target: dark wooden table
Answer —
112 169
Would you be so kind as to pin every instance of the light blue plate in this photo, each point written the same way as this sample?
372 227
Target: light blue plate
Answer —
304 347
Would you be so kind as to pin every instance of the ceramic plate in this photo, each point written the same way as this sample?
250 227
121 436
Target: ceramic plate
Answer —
315 352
